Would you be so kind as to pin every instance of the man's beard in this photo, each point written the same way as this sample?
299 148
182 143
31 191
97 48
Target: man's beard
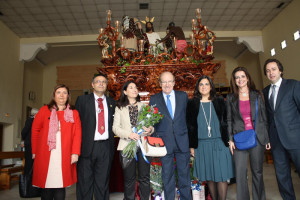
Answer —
148 29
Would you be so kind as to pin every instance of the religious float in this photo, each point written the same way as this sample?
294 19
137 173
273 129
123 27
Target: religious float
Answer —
143 67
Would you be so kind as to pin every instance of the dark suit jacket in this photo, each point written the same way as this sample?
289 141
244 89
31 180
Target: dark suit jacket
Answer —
286 117
192 124
26 132
86 107
235 120
173 131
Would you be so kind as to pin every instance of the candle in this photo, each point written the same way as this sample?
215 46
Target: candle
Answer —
175 43
122 42
192 39
117 26
193 24
198 11
108 15
141 45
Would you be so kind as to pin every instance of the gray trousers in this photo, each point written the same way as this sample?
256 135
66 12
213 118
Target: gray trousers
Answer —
256 155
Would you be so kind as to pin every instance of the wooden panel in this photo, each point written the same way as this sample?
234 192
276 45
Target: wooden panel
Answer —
76 77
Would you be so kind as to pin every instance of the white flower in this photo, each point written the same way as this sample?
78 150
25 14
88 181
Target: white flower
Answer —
148 115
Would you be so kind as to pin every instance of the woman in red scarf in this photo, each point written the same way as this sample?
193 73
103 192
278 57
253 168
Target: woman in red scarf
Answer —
56 143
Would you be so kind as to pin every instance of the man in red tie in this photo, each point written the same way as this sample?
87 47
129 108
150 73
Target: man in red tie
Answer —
97 149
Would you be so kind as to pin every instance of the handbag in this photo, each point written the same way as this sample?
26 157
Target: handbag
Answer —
154 147
26 190
246 139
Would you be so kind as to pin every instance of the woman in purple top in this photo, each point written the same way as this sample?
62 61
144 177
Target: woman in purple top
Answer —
240 117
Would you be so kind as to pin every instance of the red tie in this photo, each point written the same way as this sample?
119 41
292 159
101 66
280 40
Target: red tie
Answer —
101 121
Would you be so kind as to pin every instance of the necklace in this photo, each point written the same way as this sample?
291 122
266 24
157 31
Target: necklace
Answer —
244 94
208 123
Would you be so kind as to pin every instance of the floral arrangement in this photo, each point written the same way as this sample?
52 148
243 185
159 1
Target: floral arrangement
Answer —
156 182
148 116
197 187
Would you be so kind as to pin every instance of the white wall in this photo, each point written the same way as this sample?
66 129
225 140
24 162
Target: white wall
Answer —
11 87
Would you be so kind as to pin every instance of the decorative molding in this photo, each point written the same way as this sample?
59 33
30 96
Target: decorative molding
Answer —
29 51
254 43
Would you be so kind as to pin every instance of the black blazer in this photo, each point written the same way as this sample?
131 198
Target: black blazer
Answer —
286 117
235 120
191 119
26 132
86 107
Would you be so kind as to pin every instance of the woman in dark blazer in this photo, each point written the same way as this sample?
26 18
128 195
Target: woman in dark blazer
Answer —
213 161
240 117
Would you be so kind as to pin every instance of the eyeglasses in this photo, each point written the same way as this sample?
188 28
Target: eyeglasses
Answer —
102 82
166 82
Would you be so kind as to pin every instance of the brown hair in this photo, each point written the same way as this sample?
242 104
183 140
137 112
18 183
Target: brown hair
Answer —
52 101
250 83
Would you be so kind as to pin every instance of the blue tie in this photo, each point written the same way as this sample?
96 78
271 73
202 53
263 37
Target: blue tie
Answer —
169 106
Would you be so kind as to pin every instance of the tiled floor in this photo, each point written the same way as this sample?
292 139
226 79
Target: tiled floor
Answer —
271 188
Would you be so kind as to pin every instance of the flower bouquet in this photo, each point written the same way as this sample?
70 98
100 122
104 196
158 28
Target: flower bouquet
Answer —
148 116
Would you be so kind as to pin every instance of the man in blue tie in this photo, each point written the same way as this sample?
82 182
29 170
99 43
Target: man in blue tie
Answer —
173 130
282 99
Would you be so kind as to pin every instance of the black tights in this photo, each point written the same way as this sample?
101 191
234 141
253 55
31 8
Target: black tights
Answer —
53 194
218 190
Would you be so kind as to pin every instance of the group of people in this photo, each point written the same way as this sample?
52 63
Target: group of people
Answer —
65 137
132 33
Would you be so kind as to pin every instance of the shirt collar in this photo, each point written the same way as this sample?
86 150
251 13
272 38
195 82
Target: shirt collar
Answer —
97 97
278 83
171 94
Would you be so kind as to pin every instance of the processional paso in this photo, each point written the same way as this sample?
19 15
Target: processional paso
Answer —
141 56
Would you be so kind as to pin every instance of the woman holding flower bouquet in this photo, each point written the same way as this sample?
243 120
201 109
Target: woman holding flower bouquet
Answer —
207 126
125 123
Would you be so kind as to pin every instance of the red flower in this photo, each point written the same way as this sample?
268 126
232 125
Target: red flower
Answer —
155 110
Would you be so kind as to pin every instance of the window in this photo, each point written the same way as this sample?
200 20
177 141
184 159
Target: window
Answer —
273 52
283 44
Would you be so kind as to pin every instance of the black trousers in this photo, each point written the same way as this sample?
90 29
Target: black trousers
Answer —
93 173
129 172
28 159
53 194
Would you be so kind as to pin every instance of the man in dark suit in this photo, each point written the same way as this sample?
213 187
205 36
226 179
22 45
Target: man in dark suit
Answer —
26 136
173 130
282 100
97 149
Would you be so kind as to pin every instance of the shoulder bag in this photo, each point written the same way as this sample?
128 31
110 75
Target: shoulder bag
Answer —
246 139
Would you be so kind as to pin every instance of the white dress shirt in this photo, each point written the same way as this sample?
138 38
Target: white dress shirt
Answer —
172 99
105 135
278 83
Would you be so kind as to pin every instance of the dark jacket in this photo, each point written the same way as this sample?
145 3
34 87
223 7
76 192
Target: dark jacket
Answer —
191 119
286 116
173 131
235 120
85 105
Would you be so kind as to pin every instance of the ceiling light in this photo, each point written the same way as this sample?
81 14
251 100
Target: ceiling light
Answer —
296 35
144 6
283 44
273 52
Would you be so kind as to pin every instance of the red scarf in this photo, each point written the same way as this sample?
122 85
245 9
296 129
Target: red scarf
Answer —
54 125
